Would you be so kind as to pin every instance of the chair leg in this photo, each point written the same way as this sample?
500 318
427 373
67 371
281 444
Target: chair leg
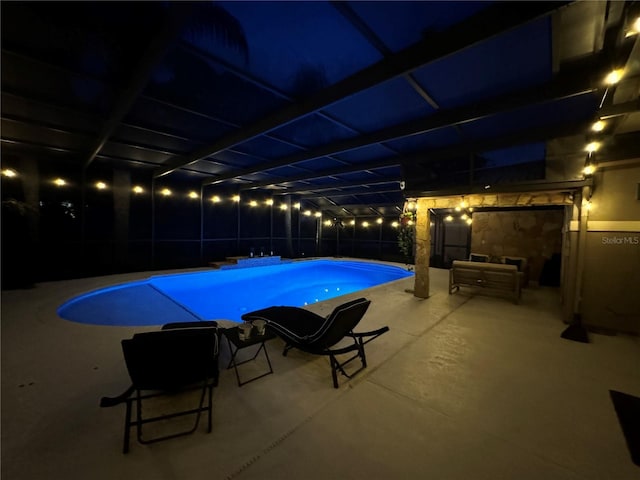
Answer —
127 427
210 409
334 370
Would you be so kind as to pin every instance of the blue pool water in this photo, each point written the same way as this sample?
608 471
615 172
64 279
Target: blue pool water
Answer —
225 294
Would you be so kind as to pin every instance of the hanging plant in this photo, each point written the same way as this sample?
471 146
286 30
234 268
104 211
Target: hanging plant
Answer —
407 235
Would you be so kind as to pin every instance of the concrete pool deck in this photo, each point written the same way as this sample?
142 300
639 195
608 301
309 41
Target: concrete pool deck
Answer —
461 387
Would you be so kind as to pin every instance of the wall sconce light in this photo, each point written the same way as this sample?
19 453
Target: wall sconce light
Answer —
166 192
137 189
7 172
60 182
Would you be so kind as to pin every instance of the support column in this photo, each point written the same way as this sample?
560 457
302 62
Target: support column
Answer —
423 250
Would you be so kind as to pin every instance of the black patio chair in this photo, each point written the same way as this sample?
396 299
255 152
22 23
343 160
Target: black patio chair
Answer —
179 358
315 334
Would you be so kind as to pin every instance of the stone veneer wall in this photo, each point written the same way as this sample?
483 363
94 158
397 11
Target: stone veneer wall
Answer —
535 235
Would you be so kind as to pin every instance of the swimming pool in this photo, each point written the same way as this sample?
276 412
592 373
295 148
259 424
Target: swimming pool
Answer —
225 294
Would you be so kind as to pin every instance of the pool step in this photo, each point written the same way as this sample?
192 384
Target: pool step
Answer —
242 262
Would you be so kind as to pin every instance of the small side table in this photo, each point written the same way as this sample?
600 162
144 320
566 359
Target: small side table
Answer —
233 339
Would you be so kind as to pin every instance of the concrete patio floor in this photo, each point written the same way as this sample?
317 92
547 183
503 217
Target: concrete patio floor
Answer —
461 387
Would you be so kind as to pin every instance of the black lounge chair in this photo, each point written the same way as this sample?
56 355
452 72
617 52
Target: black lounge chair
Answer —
179 358
315 334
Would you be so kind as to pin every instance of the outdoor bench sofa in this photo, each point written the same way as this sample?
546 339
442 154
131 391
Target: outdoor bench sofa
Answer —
490 277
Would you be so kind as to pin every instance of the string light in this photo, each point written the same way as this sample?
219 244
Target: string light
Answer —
296 205
236 198
137 189
101 185
365 224
328 223
352 222
7 172
614 77
589 170
60 182
448 218
307 213
269 202
394 224
193 195
598 126
592 147
317 214
283 206
166 192
253 203
379 221
215 199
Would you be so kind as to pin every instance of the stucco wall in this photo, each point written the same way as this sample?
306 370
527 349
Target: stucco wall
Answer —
611 281
533 234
